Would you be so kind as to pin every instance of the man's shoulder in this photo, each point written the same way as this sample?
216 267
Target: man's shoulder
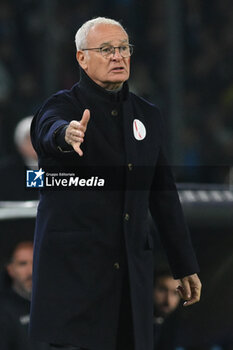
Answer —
62 96
144 103
5 300
12 303
62 103
6 295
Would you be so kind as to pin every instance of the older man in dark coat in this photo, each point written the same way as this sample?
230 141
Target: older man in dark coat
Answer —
93 261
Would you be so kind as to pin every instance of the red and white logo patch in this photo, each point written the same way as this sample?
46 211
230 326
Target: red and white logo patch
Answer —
139 130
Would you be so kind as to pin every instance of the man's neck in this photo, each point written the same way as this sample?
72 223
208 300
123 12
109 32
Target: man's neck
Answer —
110 86
114 90
22 293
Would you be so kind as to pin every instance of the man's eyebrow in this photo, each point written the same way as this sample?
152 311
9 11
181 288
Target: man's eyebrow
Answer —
108 43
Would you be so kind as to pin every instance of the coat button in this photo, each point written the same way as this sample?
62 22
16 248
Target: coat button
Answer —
130 166
114 113
126 217
116 265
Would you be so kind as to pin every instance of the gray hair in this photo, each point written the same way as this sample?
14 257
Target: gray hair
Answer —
81 35
22 130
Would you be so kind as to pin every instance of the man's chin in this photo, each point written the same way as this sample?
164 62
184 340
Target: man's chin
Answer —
165 312
119 77
28 288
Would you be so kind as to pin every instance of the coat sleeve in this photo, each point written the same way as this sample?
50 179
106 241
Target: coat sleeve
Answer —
50 122
166 210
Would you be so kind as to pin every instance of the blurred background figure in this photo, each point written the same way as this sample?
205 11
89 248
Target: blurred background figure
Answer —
15 296
23 143
13 168
166 302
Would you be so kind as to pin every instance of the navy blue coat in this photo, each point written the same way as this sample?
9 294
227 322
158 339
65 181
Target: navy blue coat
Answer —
85 240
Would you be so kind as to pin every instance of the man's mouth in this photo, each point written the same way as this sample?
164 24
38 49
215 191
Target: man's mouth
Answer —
117 69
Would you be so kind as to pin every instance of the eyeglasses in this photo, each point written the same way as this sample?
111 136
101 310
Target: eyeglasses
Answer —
107 51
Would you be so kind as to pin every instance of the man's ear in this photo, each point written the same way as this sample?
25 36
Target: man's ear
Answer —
82 59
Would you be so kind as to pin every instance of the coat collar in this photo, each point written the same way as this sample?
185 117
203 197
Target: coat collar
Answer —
88 86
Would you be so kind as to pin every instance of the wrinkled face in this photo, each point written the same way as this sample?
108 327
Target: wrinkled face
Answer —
111 72
20 268
166 298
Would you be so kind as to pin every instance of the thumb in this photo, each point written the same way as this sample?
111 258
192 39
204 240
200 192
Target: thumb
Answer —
85 118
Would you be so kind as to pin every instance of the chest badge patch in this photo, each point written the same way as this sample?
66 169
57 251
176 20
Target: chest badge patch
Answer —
139 130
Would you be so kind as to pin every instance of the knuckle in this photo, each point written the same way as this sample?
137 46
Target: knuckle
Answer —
74 124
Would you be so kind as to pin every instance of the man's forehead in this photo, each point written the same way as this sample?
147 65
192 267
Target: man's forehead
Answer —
22 251
106 34
167 281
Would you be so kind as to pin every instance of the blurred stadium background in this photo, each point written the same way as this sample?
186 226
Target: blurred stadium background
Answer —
183 63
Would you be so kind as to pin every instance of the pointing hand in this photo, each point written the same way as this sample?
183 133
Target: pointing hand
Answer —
75 132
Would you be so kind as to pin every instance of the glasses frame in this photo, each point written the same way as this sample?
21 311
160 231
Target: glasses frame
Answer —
99 49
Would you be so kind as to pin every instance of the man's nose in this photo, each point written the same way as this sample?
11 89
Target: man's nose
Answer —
116 54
